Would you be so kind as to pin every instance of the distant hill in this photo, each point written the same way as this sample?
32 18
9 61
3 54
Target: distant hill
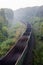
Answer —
7 17
24 14
7 13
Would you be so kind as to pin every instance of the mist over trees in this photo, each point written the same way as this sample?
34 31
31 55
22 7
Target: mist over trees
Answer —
10 30
27 13
34 16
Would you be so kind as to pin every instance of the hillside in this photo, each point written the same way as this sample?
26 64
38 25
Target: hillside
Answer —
34 15
25 14
10 30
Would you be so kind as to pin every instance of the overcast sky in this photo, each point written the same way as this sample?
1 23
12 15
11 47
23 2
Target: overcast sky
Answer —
16 4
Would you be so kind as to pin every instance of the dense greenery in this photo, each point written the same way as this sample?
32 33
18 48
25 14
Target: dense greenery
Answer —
3 29
10 31
34 16
8 38
38 32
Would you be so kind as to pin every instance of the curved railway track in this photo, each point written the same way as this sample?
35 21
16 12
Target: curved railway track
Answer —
18 52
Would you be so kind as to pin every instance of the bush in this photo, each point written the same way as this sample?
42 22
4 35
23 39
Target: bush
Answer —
5 46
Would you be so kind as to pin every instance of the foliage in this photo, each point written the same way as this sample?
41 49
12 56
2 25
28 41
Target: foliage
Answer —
38 51
10 30
9 35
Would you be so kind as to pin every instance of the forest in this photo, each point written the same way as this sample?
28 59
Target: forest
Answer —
10 31
34 16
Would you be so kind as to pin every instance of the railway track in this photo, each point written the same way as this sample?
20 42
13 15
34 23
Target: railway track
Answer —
18 52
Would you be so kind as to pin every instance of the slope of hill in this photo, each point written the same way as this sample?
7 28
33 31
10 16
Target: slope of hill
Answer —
8 13
25 14
10 30
34 15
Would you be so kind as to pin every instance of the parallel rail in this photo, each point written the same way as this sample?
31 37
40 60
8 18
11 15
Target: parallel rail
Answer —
18 52
28 35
